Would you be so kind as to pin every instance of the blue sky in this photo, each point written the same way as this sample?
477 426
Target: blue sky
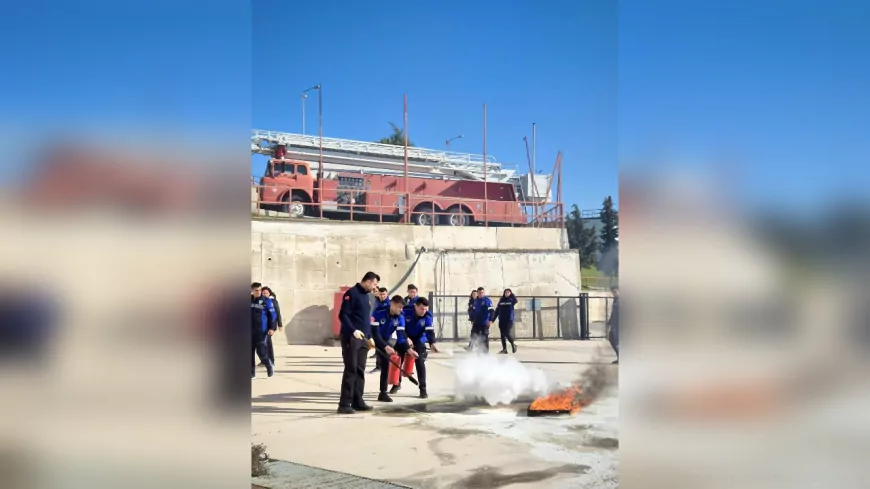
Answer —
779 87
555 67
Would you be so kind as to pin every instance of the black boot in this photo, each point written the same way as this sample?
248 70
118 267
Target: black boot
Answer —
384 397
395 389
514 347
345 410
503 352
423 394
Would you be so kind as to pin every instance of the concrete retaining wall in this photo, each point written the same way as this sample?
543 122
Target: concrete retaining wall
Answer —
306 263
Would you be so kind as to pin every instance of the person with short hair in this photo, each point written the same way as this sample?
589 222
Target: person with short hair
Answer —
382 302
263 319
356 340
412 294
413 337
484 312
388 322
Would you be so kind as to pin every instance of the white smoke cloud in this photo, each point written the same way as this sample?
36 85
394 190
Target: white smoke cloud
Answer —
498 379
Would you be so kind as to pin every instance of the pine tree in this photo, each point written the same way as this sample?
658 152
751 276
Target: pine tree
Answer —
573 227
609 262
581 238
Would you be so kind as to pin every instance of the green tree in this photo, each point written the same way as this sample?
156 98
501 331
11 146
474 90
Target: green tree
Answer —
609 261
581 237
397 138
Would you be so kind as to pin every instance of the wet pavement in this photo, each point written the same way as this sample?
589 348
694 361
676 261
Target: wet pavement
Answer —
440 442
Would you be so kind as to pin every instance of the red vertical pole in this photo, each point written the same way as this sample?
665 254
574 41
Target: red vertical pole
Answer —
405 131
559 196
320 135
485 190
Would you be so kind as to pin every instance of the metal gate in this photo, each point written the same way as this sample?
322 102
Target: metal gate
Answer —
581 317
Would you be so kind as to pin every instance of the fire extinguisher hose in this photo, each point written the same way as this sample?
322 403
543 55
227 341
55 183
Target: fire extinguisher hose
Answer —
409 377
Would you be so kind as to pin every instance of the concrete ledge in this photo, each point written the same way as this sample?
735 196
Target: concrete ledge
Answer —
287 475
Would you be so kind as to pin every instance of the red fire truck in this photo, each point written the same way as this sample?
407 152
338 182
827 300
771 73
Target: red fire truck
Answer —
363 181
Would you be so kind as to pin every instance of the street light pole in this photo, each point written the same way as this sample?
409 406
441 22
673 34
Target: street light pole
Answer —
451 139
304 96
319 89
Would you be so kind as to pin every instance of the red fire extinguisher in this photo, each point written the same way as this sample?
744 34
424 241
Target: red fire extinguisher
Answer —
408 366
393 376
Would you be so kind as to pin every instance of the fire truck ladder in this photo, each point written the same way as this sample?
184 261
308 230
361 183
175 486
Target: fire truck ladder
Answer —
350 153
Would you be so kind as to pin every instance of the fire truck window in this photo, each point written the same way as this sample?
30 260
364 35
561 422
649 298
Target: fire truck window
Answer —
285 168
302 170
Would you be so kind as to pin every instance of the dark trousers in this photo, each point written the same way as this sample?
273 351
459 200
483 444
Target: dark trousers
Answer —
419 363
613 338
384 365
271 349
506 333
480 334
259 350
353 381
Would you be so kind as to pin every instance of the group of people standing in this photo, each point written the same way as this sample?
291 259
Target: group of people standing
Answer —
399 326
482 313
265 321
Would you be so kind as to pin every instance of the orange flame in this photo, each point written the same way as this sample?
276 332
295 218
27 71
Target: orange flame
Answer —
567 400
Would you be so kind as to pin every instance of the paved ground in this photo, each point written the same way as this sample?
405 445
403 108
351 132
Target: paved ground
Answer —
440 443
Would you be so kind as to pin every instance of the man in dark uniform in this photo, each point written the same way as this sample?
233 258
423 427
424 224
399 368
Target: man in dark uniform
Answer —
355 316
263 324
613 324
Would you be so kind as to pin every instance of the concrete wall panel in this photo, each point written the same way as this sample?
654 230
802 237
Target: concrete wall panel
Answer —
306 263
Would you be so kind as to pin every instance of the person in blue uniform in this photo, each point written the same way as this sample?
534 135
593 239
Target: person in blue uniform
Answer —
264 321
471 300
381 303
412 294
355 316
385 322
413 337
504 312
484 312
613 324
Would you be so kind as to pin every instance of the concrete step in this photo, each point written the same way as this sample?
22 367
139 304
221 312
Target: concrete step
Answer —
287 475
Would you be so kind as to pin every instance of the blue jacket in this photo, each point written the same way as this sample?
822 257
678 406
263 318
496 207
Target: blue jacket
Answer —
418 329
483 310
384 325
505 310
263 315
355 312
379 305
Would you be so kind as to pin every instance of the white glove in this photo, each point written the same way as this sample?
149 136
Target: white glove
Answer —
371 344
359 335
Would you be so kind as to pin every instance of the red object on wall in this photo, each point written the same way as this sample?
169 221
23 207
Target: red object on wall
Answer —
336 324
393 377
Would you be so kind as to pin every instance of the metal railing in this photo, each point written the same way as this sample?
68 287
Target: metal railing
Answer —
467 161
581 317
381 206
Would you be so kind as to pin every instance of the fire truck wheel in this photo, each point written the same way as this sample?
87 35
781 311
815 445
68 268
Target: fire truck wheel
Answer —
423 216
457 218
296 207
